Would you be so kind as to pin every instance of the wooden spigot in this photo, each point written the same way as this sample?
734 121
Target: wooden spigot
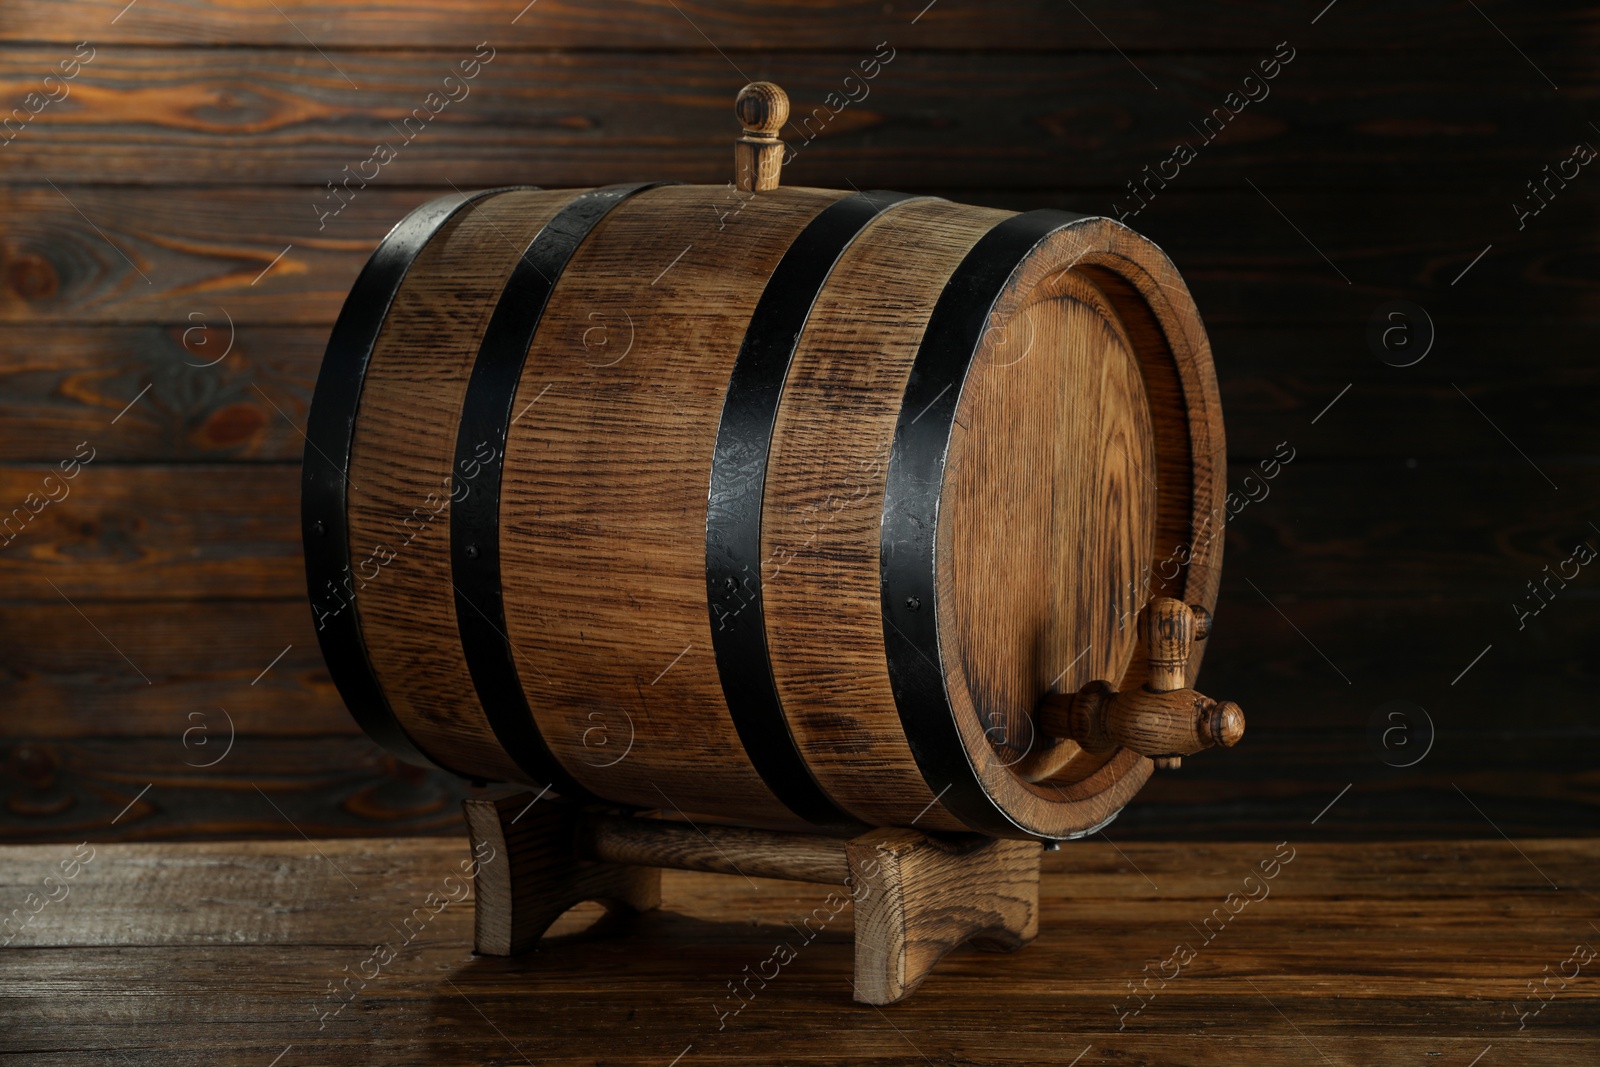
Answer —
762 109
1162 719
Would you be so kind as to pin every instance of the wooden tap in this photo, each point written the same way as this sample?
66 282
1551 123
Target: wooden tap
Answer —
1163 719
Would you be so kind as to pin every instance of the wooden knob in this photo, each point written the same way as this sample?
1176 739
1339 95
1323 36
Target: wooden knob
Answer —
1226 723
1167 628
762 108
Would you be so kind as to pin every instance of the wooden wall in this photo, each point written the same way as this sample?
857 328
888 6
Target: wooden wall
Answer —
164 208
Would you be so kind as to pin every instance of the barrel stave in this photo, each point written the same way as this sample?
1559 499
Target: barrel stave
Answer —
604 513
402 457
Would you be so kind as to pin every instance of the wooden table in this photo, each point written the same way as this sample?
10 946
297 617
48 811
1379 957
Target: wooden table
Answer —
224 953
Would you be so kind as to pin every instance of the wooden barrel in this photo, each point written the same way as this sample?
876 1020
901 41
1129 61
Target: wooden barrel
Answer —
781 506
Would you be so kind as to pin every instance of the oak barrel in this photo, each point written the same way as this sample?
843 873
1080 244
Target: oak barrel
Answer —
781 506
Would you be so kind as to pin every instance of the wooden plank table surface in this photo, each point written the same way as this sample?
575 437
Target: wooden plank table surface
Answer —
229 953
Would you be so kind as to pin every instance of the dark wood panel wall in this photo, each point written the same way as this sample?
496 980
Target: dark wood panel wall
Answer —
170 262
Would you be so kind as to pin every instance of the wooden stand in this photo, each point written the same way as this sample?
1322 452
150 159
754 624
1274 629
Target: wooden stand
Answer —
915 896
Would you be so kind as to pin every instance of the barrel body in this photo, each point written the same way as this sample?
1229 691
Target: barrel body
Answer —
781 507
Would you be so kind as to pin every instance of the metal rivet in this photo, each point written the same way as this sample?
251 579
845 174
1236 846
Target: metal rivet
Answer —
318 529
472 551
913 603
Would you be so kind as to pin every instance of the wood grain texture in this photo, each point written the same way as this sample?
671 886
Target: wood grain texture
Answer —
145 256
1292 768
1290 771
603 548
1495 549
1050 495
1144 292
527 872
1426 151
1485 553
822 607
920 897
712 848
270 787
823 505
1371 953
189 663
762 109
1169 628
61 384
183 116
1164 726
1307 727
1248 266
1418 415
215 532
1011 25
587 506
205 249
924 898
215 391
403 478
133 532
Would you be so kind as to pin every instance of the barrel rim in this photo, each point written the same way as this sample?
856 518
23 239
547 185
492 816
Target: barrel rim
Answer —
910 605
486 417
329 434
734 501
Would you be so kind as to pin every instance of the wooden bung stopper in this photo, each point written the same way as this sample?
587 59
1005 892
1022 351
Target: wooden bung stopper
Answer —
762 109
1163 719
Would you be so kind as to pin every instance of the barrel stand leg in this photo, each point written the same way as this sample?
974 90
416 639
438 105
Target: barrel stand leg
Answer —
917 897
529 872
